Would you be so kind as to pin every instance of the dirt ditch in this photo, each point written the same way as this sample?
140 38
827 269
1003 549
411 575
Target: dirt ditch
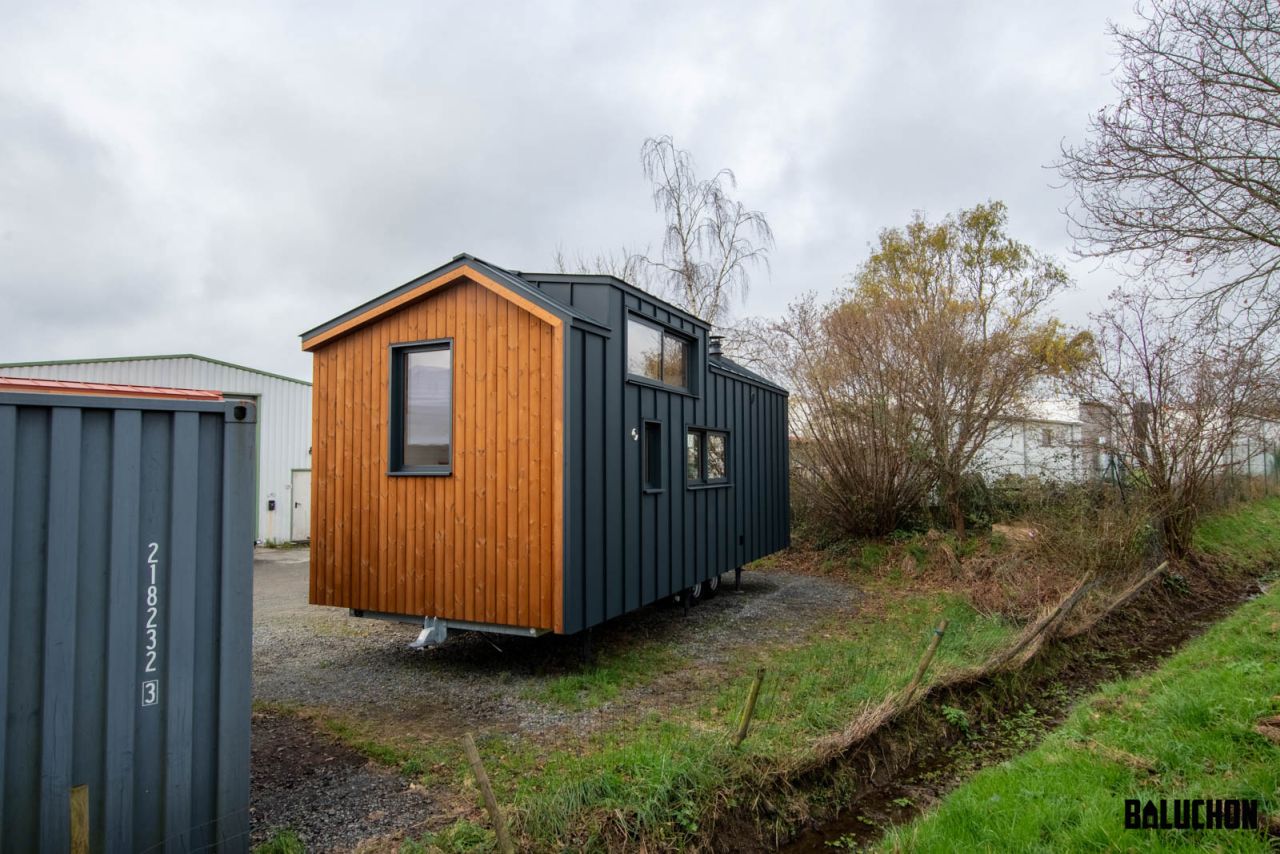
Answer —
916 760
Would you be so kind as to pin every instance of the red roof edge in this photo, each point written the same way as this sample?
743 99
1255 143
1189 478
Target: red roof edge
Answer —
26 384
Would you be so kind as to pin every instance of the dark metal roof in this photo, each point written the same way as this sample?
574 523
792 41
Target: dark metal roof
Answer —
731 367
498 274
614 281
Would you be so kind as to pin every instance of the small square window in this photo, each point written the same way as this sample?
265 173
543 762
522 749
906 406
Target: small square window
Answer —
707 457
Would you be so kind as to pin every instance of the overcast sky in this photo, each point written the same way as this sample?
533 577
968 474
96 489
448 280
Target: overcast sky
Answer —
216 178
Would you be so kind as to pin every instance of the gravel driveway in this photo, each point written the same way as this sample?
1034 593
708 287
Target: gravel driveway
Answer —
323 661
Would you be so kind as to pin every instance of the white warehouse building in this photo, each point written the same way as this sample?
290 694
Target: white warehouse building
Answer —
284 421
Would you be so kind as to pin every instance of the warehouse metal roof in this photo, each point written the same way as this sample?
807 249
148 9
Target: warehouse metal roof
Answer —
4 366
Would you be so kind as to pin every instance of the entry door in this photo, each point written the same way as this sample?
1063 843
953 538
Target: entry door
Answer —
300 489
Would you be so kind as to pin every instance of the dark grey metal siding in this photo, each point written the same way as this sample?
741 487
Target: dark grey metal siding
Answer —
86 485
625 547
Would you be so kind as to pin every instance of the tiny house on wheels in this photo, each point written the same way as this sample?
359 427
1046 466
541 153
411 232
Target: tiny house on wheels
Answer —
529 453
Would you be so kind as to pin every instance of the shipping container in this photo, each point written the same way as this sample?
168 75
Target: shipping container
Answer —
126 556
525 453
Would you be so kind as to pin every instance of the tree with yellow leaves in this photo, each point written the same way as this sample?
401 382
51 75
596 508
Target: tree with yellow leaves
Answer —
960 310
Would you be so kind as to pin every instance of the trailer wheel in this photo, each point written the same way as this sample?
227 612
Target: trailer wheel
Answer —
711 587
697 593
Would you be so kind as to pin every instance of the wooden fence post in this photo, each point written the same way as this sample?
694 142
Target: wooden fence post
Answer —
924 662
749 709
490 802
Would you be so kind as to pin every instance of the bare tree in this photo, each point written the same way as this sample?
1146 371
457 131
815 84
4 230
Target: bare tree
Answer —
711 241
1176 398
710 245
959 310
625 264
1182 175
859 462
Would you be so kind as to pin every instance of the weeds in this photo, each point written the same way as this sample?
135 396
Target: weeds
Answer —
283 841
957 718
461 837
601 682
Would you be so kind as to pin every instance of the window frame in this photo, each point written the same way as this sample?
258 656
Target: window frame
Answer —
706 457
398 356
664 331
645 484
703 434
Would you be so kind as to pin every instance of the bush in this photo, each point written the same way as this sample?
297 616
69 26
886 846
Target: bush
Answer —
1095 529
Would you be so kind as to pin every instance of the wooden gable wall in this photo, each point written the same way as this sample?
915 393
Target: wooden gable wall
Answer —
482 544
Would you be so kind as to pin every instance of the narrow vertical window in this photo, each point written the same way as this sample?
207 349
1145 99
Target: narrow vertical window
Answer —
653 456
693 457
675 360
422 408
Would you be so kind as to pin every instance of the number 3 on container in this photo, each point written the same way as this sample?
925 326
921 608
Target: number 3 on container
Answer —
151 627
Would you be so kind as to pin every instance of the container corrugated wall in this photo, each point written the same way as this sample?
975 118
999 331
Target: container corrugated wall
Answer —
110 508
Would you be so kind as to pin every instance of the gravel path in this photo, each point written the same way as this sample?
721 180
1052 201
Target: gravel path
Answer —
323 660
316 657
327 793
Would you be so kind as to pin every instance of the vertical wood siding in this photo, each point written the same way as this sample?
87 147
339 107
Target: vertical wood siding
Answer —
482 544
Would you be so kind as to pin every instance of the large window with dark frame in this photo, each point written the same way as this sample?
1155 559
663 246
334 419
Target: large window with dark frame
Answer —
707 457
422 408
657 354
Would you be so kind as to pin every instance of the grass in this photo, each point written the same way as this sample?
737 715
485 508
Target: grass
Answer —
602 682
1243 535
462 837
657 776
1184 731
283 841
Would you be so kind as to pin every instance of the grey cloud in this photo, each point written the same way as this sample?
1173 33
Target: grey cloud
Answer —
218 178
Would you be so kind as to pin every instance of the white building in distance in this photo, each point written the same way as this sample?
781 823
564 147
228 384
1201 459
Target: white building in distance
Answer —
284 421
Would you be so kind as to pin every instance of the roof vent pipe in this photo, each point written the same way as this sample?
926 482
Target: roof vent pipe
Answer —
713 345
